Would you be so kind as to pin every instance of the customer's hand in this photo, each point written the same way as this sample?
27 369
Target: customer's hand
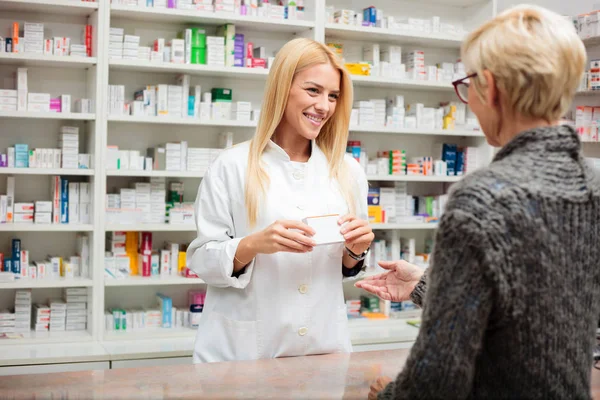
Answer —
397 284
357 233
285 235
378 386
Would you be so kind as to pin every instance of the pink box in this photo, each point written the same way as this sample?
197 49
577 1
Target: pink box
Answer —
196 297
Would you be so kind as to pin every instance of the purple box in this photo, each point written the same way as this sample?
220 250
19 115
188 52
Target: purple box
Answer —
238 62
3 160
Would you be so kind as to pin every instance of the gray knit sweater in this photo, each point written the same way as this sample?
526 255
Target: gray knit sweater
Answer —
513 293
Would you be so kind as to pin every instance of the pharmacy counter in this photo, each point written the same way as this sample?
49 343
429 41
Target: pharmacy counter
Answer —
334 376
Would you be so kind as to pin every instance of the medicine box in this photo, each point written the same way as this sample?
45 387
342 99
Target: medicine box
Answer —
327 229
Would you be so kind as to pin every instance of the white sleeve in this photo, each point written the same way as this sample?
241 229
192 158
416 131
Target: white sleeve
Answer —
211 254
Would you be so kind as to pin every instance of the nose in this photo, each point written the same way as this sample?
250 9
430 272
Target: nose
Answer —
322 104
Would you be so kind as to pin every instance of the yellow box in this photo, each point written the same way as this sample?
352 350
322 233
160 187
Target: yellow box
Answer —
375 214
363 69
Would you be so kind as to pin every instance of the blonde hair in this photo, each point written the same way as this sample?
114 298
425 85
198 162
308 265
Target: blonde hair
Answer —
535 56
294 57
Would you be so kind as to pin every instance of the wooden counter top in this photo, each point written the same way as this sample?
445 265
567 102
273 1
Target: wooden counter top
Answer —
334 376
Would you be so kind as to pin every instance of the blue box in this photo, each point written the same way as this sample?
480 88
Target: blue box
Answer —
64 201
166 308
373 198
7 265
16 266
449 155
191 101
370 15
460 163
16 249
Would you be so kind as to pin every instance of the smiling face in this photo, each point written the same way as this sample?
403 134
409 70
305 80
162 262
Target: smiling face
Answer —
312 101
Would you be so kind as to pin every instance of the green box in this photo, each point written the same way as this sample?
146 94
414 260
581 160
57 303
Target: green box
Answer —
221 95
198 38
198 55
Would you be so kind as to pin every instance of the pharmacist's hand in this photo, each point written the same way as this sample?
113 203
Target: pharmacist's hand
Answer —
284 235
397 284
378 386
357 233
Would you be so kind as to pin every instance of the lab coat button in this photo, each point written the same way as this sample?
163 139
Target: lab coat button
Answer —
303 289
298 175
303 331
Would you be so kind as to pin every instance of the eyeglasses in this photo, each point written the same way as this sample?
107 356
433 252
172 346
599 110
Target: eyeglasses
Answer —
461 87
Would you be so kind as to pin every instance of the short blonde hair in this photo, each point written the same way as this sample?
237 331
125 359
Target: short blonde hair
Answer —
294 57
536 57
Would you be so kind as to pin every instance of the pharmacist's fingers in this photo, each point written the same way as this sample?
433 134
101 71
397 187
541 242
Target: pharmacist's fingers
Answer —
360 235
301 226
291 245
297 237
346 218
353 225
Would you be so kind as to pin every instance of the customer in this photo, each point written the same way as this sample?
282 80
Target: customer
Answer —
513 296
271 291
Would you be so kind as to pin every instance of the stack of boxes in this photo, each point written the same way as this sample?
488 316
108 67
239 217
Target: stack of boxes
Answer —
158 195
396 112
38 102
43 212
366 113
176 156
22 89
379 112
221 103
242 111
7 322
115 43
76 306
8 100
69 146
228 33
34 38
142 200
225 6
41 318
238 50
175 106
353 308
58 315
22 311
24 213
215 51
198 46
415 65
131 46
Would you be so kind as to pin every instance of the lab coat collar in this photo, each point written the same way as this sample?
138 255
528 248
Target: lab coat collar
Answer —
275 150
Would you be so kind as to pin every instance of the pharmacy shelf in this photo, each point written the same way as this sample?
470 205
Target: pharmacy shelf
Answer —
351 32
58 7
151 228
592 41
47 115
156 174
587 93
191 69
41 60
45 283
143 281
142 334
405 227
208 18
180 121
46 171
408 131
49 337
409 84
413 178
45 228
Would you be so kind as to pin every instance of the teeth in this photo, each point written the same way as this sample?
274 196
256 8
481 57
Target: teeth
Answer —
313 118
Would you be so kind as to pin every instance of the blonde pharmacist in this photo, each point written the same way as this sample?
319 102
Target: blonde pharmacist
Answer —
271 291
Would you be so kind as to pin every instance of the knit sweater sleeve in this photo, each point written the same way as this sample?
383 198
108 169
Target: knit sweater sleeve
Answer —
455 316
418 294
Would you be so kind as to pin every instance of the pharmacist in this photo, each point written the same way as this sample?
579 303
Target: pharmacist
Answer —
273 289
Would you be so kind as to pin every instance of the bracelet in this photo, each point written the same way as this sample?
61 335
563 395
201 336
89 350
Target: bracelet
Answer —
358 257
236 259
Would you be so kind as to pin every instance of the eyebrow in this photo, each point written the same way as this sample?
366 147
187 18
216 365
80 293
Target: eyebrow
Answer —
320 86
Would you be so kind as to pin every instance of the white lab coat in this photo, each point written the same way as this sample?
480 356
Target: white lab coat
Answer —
284 304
